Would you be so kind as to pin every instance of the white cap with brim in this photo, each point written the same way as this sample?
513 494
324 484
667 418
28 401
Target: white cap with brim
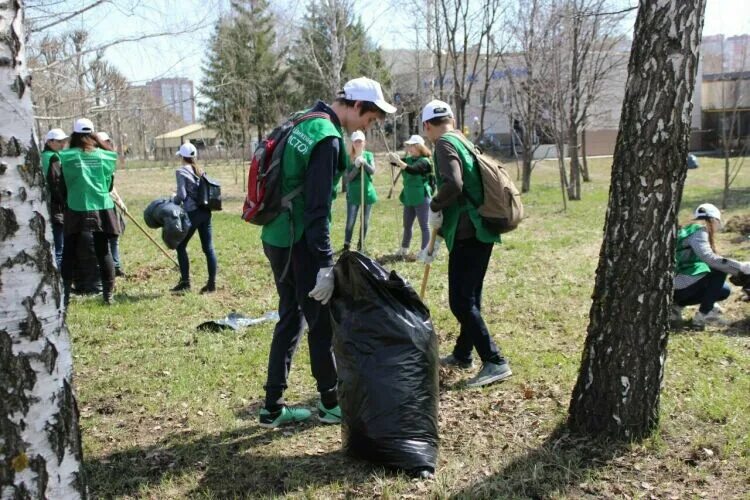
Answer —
187 150
103 136
56 134
436 109
358 135
364 89
415 139
83 126
707 211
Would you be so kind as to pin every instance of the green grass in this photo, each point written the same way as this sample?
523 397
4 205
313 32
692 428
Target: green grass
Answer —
170 412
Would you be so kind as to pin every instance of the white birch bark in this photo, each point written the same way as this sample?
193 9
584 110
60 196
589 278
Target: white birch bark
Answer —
40 449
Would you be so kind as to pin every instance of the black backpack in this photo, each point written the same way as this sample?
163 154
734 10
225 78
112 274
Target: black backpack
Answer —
209 193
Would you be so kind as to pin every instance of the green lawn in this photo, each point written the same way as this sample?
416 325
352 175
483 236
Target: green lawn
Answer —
170 412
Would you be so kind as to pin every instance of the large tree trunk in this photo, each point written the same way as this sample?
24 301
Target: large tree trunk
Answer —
40 447
617 391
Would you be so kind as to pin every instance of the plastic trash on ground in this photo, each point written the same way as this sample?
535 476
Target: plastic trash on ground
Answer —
236 321
387 358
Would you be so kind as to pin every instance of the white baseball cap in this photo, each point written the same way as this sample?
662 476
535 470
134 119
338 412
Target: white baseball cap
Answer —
103 136
187 150
83 126
56 134
707 211
358 135
436 109
364 89
415 139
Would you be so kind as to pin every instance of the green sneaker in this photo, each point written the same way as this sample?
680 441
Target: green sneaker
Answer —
332 416
285 415
490 373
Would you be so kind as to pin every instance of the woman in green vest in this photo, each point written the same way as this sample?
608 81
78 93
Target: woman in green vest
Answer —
87 178
356 192
416 172
54 143
700 273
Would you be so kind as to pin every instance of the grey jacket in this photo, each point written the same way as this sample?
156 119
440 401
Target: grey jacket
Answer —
187 188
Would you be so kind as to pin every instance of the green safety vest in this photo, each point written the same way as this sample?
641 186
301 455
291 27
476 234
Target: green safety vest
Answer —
686 262
47 161
88 176
416 186
296 157
354 188
473 187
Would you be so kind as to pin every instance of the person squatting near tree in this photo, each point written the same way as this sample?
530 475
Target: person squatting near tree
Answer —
114 243
418 177
359 159
700 273
87 177
54 143
469 244
313 155
188 179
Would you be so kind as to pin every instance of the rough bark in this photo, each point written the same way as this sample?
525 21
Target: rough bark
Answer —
584 156
40 447
618 386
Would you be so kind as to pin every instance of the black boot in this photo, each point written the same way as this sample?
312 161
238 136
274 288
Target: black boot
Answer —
182 286
209 287
108 288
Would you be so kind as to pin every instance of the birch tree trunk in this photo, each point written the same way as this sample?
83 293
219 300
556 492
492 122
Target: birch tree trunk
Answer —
617 391
40 447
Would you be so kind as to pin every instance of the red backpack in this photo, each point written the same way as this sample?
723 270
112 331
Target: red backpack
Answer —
264 201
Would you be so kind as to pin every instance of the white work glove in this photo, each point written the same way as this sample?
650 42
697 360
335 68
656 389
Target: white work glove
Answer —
323 290
435 220
359 161
745 267
393 158
428 258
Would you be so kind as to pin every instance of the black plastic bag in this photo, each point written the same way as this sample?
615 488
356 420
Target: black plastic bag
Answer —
172 218
152 211
387 359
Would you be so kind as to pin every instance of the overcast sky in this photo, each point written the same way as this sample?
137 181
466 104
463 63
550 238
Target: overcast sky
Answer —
184 54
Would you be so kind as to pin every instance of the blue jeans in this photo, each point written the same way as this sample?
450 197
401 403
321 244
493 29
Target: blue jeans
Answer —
706 291
200 221
58 236
351 217
422 214
467 265
114 249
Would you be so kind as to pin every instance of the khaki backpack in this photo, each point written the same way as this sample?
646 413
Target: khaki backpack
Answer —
502 209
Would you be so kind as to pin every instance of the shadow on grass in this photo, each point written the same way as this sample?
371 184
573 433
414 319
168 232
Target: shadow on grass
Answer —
384 260
738 198
225 465
127 298
557 467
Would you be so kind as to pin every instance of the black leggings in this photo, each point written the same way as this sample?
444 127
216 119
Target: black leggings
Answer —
101 248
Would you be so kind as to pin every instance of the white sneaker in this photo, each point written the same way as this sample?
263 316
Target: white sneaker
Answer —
402 252
712 317
675 314
718 309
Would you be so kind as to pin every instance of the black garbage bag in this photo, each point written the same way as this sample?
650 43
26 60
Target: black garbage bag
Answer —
387 359
172 218
151 212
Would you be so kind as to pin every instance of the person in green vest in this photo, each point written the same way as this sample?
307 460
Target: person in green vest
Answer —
700 273
359 160
417 175
55 142
313 154
469 244
88 170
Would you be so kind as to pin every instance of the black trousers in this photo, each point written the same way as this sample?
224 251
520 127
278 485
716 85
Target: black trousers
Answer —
467 265
296 308
103 257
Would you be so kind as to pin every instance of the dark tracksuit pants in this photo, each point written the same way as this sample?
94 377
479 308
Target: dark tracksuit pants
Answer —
706 291
295 307
467 265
